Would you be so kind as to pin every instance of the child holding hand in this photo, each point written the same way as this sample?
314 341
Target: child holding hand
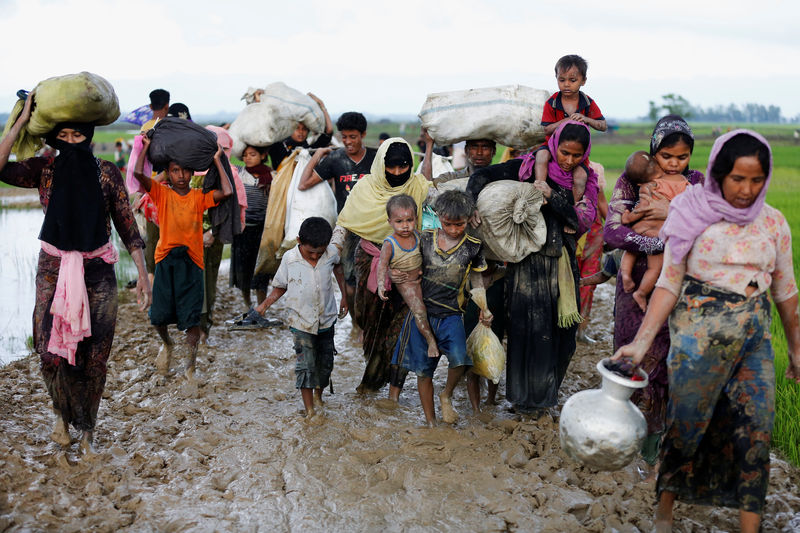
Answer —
178 281
642 170
304 278
400 251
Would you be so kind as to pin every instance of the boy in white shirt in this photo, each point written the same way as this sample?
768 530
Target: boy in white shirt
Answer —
304 278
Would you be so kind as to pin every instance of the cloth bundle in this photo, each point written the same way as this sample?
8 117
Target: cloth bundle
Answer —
511 115
512 225
274 117
193 147
82 97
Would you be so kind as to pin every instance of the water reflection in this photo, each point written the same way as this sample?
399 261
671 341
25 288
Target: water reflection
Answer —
19 252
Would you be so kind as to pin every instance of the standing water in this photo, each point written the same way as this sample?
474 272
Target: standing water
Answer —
19 255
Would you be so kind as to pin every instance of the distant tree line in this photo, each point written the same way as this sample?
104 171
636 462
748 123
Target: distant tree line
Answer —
677 104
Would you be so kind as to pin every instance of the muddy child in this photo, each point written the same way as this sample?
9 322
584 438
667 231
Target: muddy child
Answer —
449 258
401 251
178 281
642 170
305 278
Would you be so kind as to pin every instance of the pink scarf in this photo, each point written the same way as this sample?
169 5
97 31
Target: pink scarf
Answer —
70 308
225 140
702 205
372 280
554 171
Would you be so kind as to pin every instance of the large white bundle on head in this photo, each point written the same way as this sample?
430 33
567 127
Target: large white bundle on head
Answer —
274 117
510 115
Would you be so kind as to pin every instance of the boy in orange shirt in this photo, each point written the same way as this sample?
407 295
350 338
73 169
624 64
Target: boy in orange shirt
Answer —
178 282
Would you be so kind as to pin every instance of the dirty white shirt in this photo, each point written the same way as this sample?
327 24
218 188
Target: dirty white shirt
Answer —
309 295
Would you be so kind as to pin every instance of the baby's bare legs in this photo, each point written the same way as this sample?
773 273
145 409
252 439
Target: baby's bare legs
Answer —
412 294
626 270
648 283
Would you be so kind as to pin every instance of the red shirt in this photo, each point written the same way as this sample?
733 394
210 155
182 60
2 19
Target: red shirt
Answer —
554 110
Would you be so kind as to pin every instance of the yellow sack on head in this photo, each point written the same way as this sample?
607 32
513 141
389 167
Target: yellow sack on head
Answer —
81 97
483 346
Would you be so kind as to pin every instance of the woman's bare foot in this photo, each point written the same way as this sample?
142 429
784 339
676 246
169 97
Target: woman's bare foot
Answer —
640 298
449 414
86 443
60 434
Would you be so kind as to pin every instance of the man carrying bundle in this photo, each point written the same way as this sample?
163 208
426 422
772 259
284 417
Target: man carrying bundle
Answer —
279 151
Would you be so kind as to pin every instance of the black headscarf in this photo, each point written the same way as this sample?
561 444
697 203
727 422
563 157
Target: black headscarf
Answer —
667 126
76 216
397 155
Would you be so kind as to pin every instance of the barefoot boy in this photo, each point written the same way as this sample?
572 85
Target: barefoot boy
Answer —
304 277
449 255
178 282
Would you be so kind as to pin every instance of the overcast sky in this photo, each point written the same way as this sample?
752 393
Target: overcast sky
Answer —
385 57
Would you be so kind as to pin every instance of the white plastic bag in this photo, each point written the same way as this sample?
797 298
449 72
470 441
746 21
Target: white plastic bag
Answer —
483 346
318 201
439 165
275 117
511 115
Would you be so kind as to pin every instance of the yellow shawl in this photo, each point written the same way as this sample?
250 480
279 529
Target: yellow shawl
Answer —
364 212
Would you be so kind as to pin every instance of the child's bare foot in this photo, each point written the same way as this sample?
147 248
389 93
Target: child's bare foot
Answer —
449 414
569 230
60 434
641 299
163 358
433 350
627 282
318 398
310 412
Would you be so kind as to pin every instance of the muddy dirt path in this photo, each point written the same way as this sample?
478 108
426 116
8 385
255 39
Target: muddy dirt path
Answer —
235 454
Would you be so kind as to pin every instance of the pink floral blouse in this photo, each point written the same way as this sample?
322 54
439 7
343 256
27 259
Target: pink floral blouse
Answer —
730 256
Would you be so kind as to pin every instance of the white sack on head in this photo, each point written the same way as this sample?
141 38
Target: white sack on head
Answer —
510 115
275 117
318 201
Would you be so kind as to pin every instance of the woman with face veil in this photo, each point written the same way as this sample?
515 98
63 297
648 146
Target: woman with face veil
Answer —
76 290
364 214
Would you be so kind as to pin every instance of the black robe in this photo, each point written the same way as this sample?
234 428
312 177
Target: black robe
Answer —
538 350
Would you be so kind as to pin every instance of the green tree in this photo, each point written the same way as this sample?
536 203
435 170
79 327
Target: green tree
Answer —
676 104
